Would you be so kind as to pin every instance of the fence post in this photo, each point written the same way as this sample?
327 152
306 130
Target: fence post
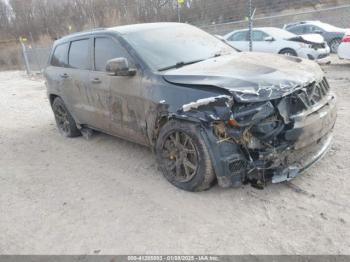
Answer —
24 52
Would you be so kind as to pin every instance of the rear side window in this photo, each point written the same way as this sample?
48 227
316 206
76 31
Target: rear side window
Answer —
239 36
59 57
309 29
79 55
298 30
106 49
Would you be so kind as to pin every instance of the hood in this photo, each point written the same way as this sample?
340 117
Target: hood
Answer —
308 38
249 77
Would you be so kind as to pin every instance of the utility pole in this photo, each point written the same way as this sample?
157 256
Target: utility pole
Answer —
178 7
250 21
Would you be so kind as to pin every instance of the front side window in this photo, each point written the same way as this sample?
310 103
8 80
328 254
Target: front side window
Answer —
106 49
258 35
79 54
239 36
59 57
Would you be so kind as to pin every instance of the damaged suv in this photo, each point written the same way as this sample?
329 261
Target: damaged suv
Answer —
208 112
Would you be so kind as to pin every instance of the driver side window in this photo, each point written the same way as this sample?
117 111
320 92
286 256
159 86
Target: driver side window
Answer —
239 36
259 35
105 49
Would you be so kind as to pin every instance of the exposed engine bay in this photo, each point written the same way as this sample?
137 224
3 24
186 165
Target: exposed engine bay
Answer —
272 140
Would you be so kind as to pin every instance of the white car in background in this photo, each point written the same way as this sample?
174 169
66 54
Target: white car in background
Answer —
344 47
331 34
279 41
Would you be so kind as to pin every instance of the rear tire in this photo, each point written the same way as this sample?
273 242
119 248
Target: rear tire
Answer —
288 52
183 156
64 120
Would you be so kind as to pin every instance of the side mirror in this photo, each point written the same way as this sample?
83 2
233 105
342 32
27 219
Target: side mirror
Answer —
119 67
269 39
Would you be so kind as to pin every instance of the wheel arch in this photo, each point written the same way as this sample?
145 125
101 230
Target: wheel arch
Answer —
287 49
52 97
155 125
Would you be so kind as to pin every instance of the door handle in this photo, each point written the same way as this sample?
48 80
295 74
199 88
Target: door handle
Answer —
96 80
64 75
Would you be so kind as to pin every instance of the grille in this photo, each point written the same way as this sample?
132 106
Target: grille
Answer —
313 93
306 97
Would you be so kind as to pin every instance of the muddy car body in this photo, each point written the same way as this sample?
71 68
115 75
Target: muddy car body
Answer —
209 112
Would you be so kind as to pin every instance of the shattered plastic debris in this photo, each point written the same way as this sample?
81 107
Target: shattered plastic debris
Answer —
202 102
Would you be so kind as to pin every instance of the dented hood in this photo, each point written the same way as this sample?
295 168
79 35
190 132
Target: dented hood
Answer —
308 38
249 77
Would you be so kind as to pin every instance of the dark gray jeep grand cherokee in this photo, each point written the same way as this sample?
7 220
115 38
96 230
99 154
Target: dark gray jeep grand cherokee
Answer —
209 112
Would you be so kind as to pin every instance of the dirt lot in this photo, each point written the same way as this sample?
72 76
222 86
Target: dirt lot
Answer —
106 196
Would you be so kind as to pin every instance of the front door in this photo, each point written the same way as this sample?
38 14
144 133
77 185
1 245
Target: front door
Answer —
124 106
261 43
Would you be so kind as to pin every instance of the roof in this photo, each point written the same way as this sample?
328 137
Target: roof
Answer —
124 29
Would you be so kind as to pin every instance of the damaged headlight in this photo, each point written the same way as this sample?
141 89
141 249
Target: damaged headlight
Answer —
251 125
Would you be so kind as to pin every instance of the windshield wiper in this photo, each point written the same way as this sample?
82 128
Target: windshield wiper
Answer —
180 64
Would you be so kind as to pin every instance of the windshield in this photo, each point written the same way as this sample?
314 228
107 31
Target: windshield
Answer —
175 45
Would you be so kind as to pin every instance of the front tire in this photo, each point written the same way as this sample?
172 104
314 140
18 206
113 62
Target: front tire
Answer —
64 120
183 156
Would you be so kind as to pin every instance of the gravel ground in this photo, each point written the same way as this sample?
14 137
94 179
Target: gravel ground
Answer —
106 196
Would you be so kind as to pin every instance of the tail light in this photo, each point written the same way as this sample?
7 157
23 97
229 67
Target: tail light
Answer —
346 39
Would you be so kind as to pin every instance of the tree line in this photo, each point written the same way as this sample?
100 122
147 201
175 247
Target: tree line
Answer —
56 18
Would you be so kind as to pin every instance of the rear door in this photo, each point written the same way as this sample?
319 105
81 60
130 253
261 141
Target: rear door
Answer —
76 91
56 71
124 108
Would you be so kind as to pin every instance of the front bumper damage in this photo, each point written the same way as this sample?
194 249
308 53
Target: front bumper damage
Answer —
274 141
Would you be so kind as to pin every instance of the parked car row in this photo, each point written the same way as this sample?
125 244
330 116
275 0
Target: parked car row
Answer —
279 41
331 34
308 39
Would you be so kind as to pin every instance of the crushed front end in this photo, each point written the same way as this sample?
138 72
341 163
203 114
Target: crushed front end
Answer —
273 140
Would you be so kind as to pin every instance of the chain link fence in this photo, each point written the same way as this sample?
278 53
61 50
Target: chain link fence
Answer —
35 58
337 16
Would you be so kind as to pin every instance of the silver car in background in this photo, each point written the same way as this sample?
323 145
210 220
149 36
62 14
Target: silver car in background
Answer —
279 41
